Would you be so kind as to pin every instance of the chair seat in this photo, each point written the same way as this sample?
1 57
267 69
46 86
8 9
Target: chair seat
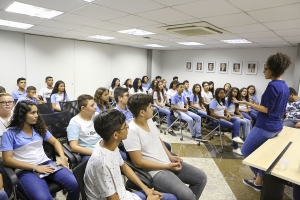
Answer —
212 127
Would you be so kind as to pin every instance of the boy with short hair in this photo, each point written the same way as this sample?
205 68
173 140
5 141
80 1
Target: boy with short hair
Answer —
82 136
148 151
31 96
102 176
46 92
206 94
21 83
121 96
187 93
158 78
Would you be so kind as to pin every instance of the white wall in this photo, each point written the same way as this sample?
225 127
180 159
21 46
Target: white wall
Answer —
174 62
156 63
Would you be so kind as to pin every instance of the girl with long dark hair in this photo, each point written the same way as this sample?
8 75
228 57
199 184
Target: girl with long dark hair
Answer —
58 94
114 84
137 87
196 100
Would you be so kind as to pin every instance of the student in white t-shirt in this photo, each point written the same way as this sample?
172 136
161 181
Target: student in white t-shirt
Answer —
127 84
46 92
147 151
137 87
58 94
81 132
206 94
171 91
105 165
152 87
114 84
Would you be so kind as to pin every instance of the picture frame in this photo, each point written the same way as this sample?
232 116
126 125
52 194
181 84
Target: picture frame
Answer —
189 66
252 67
223 67
236 67
210 67
263 68
199 66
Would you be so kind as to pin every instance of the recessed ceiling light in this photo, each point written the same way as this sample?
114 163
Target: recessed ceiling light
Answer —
101 37
190 43
15 24
136 32
30 10
154 45
236 41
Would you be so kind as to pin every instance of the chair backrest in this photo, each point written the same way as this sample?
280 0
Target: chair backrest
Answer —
45 108
58 122
71 106
48 100
79 174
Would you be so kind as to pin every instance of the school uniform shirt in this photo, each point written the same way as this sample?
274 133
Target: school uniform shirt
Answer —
27 98
3 126
102 177
155 96
112 90
178 101
218 108
56 98
98 109
25 149
187 93
127 113
83 131
231 107
193 98
16 94
146 86
150 91
131 91
170 94
207 96
45 93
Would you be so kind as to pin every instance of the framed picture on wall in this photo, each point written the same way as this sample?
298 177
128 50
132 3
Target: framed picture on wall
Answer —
223 67
211 67
188 66
199 66
252 68
236 67
263 68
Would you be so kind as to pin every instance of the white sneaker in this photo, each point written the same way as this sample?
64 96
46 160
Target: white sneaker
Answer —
237 151
238 140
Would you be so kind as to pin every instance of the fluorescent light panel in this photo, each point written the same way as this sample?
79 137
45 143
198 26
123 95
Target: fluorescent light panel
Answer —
89 0
101 37
15 24
236 41
154 45
136 32
190 43
26 9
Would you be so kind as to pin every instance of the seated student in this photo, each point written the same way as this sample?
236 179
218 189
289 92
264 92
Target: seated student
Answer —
158 78
175 78
152 87
233 110
147 151
186 92
160 100
206 94
114 84
81 133
145 84
252 97
164 81
179 103
101 99
196 100
31 96
20 92
211 87
2 89
3 195
217 109
244 108
105 165
227 87
292 118
22 146
121 97
58 94
46 91
172 91
127 84
137 87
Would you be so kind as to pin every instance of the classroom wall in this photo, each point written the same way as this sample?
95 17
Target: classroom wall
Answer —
174 63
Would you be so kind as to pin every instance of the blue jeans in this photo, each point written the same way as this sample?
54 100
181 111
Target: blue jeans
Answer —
84 157
36 188
290 122
3 195
255 139
246 115
234 124
202 113
246 124
174 182
167 112
189 117
166 196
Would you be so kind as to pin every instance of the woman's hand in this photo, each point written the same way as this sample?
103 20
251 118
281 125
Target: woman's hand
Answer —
44 169
63 162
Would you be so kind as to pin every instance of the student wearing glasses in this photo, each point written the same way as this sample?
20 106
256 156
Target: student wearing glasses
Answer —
121 97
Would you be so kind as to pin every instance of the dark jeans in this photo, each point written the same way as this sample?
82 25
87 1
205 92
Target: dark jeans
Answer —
166 196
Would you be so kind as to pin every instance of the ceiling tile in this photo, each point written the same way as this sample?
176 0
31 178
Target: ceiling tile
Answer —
99 12
173 2
75 33
290 32
223 36
47 29
249 45
275 44
275 39
265 34
280 25
130 6
61 25
111 26
165 15
247 28
76 19
5 3
277 13
292 39
135 21
91 30
154 29
20 18
207 8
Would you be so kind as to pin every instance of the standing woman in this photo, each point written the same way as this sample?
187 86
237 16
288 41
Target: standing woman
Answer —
58 94
22 146
270 111
114 84
101 99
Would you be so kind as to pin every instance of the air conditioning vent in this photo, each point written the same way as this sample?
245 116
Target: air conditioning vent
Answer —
194 29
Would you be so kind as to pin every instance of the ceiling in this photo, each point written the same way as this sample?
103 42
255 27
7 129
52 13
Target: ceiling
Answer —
266 23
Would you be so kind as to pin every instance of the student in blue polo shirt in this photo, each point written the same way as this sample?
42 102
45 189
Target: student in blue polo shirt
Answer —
31 96
186 92
145 84
101 98
121 96
22 148
20 92
58 94
179 103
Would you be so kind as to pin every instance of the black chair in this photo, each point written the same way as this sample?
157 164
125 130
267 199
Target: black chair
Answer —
48 100
71 106
77 158
79 174
45 108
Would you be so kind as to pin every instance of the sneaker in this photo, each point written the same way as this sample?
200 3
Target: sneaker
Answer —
251 184
238 140
193 137
199 138
216 133
237 151
172 133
